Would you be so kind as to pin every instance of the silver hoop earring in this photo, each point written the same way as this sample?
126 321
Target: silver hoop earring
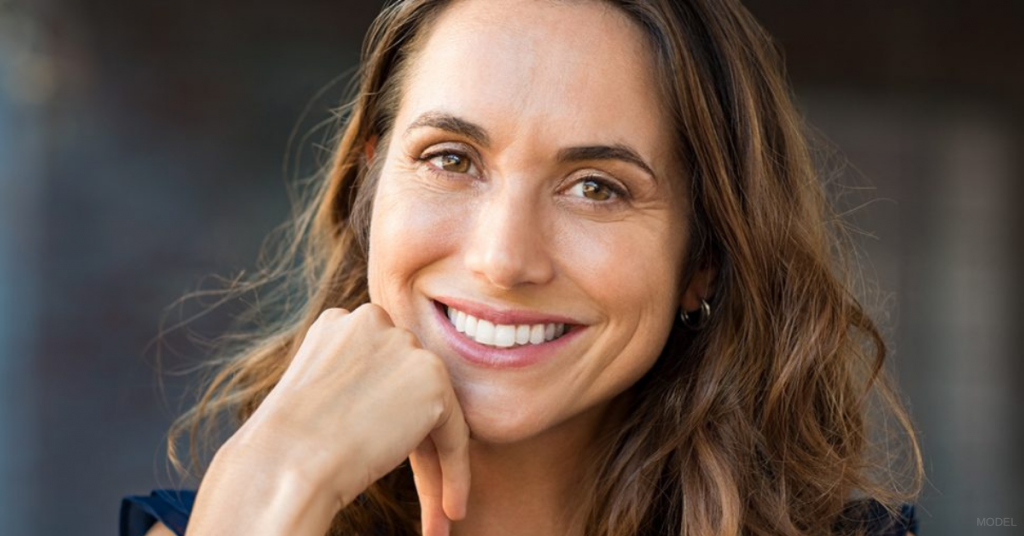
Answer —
701 321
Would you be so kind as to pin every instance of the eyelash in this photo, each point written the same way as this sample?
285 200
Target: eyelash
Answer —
619 192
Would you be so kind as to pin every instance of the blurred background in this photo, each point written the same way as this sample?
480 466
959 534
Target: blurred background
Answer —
143 147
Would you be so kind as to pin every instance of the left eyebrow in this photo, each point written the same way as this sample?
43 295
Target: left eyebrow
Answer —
605 152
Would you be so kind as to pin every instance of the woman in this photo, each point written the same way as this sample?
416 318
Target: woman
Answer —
572 261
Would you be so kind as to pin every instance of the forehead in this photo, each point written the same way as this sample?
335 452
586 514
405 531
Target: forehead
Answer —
559 73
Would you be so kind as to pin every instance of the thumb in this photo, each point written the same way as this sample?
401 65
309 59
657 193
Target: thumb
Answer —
426 470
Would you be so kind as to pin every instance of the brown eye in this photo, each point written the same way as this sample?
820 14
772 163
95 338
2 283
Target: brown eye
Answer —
454 163
594 190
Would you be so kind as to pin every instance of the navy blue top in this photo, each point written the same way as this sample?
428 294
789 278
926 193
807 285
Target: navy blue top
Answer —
172 507
168 506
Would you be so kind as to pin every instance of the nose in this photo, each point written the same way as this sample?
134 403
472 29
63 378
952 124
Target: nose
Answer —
507 248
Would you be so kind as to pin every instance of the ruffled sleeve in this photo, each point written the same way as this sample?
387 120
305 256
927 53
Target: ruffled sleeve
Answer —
168 506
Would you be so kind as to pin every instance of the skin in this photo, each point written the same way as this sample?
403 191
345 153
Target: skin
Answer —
513 228
511 225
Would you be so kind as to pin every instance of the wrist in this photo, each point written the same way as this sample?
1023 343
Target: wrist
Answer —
243 493
284 457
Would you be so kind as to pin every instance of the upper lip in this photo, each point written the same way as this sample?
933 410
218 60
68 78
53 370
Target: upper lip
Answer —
504 315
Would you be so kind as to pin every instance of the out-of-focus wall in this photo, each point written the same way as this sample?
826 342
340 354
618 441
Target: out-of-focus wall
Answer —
141 148
20 146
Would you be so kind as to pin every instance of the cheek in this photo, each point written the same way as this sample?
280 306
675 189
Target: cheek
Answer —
408 231
631 268
632 272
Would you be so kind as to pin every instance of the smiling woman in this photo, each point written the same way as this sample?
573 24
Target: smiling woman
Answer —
571 261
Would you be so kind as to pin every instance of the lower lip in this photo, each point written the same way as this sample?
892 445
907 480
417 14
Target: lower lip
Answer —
500 358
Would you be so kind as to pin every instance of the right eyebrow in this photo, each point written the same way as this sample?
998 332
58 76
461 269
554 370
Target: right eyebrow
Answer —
450 123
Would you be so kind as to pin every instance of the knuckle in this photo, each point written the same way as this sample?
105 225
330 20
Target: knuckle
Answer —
372 312
331 314
407 338
437 410
433 367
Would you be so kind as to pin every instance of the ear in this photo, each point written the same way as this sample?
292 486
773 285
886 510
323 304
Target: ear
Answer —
700 287
370 149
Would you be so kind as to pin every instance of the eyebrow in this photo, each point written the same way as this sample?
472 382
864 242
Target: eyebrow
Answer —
604 152
455 125
450 123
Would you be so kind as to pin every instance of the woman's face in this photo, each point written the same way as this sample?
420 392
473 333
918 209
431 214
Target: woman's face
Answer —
529 184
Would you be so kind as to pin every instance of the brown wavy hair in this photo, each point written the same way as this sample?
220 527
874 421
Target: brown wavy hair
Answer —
759 423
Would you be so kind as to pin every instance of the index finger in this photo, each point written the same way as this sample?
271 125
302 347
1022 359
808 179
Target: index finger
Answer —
451 438
426 471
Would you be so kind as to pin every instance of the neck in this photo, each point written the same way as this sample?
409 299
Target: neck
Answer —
532 486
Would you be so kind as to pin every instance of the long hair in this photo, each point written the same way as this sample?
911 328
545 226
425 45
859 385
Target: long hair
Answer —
759 423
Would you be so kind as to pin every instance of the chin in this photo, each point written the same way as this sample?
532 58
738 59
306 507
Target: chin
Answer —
500 420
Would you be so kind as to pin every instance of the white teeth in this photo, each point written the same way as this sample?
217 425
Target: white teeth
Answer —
484 332
503 335
537 334
460 320
522 334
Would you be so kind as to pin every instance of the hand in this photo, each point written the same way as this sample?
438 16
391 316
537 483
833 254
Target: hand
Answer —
359 397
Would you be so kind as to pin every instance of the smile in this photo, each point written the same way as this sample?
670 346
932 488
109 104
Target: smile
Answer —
502 335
